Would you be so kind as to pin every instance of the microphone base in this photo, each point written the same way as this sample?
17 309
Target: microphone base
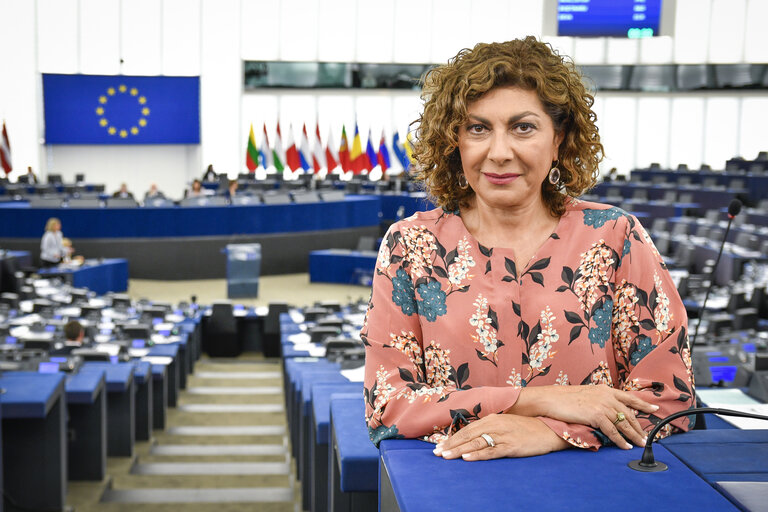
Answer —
638 465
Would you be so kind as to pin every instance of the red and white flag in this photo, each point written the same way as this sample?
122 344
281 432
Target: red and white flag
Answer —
292 159
5 151
331 153
318 156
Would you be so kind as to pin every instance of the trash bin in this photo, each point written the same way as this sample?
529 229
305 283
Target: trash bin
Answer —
243 269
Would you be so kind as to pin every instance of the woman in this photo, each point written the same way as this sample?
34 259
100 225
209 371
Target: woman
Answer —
52 250
516 320
196 190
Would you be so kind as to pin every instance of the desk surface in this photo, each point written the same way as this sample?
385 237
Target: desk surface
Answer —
358 458
118 375
30 394
572 480
321 405
84 387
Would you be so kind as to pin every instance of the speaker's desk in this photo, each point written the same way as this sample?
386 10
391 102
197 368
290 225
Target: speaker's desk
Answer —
100 276
414 479
34 441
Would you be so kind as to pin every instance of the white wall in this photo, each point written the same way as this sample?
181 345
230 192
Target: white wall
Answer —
211 38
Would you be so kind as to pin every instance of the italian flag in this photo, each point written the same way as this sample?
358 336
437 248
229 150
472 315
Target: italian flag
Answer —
252 153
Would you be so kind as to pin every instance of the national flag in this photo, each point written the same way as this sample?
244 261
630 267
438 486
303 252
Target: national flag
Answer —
383 156
292 159
331 153
358 160
304 152
400 153
5 151
344 159
373 160
318 157
252 153
277 151
409 148
265 154
121 109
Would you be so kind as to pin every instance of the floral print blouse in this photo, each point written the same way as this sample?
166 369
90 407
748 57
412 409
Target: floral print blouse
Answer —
454 330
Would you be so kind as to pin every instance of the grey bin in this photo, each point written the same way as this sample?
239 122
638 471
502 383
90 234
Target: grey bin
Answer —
243 269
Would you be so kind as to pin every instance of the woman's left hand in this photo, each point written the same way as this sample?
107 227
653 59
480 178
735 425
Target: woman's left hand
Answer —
512 436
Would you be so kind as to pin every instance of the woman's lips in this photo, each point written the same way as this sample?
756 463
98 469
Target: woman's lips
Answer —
501 179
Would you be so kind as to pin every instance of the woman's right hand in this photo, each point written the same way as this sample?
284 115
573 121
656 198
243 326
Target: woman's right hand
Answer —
596 406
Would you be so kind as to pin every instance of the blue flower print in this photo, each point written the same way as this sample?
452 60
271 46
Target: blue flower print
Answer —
626 248
600 333
432 304
644 347
402 292
596 218
384 432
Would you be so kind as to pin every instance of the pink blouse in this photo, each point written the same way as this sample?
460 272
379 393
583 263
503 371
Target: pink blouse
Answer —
454 330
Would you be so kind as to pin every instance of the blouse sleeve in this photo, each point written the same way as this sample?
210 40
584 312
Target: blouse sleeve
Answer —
649 332
410 389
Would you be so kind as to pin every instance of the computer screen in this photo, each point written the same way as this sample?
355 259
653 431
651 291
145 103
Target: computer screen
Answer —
609 18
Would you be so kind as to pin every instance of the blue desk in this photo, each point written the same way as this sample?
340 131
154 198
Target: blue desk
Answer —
121 406
159 395
410 204
108 275
342 266
34 439
143 376
170 350
317 466
414 479
87 408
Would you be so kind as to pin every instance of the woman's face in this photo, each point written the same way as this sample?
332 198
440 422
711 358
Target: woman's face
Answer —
507 147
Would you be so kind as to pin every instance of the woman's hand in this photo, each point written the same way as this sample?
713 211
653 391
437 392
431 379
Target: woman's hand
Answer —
599 407
512 435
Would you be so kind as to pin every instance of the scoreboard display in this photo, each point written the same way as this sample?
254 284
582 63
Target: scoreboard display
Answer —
608 18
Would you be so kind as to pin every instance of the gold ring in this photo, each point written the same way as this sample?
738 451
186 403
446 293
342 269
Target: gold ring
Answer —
619 418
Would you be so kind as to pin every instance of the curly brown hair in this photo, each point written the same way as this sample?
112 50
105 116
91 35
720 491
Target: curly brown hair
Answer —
447 90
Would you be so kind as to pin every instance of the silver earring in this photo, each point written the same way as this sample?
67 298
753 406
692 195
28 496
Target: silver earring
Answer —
554 174
463 183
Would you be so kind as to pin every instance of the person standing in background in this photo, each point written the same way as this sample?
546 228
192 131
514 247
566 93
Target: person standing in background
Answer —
52 250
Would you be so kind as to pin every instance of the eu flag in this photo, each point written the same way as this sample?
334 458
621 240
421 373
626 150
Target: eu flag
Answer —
95 109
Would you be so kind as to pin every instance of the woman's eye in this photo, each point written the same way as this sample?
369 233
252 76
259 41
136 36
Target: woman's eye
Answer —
476 128
524 127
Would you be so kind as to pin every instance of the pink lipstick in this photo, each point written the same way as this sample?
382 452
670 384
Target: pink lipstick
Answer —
501 179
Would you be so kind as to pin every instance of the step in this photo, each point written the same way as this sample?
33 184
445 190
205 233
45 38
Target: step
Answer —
235 390
243 430
238 375
218 449
234 495
211 468
230 408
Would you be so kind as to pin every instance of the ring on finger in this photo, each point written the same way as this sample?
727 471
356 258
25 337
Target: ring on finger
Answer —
619 418
488 439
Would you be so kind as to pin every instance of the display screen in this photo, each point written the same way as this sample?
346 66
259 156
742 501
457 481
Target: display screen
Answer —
608 18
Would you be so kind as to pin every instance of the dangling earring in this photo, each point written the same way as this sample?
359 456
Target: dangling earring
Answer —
463 183
554 174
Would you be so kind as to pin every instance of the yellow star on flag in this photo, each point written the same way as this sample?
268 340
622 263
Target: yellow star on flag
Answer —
111 91
100 111
134 91
142 122
123 133
112 130
122 88
134 130
142 100
103 122
102 99
145 111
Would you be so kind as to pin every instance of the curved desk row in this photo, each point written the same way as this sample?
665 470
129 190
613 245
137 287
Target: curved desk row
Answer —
187 242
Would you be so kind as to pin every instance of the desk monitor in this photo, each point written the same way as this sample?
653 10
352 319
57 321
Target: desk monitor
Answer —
121 302
38 343
87 311
54 178
89 354
137 331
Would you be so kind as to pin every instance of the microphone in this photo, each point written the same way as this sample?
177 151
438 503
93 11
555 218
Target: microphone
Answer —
733 210
648 463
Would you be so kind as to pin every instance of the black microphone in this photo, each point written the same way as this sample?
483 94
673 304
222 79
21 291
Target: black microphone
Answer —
733 210
648 463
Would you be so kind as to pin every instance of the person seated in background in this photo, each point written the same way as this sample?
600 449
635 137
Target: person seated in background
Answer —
123 192
210 175
611 176
31 176
52 250
196 190
74 335
153 193
69 251
231 190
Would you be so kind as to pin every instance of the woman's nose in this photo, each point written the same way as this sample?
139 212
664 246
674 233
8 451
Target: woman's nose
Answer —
500 149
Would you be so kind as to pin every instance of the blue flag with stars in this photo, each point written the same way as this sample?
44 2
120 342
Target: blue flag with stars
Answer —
95 109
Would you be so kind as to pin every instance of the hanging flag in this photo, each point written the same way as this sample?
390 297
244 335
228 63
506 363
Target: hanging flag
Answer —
121 109
357 159
373 159
318 157
344 159
265 155
331 154
408 145
304 154
5 151
383 156
399 150
292 159
252 153
277 152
